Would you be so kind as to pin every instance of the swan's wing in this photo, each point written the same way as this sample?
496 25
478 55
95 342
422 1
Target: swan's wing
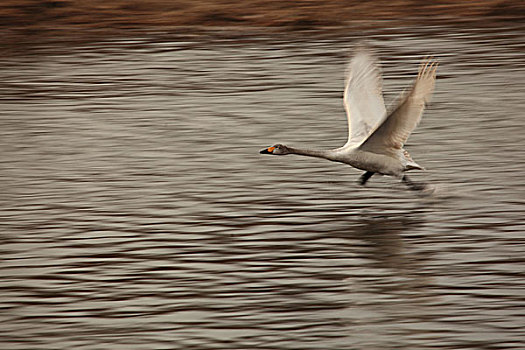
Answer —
395 129
363 96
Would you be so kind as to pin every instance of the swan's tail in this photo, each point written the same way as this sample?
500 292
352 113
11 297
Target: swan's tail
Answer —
409 162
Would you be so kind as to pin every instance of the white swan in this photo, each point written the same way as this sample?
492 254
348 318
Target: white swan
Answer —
375 137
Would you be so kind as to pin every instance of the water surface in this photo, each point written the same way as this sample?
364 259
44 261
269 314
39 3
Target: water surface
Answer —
137 213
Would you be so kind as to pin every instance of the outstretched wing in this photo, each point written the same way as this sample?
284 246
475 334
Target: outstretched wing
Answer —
363 97
393 132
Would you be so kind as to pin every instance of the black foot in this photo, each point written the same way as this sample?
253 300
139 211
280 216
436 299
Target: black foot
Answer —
414 186
364 178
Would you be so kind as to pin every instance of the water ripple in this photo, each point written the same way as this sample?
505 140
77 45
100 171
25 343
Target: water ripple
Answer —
137 213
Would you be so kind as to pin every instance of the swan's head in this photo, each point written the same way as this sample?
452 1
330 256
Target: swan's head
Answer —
278 149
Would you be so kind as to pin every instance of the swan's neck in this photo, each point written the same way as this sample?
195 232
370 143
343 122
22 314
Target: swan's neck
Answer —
326 154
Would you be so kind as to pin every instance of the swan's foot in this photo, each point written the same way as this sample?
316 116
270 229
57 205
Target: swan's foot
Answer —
365 177
414 186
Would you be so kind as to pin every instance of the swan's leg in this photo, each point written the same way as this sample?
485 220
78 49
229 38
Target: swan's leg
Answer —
365 177
415 186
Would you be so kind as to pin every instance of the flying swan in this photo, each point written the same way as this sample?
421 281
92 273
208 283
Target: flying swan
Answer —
375 137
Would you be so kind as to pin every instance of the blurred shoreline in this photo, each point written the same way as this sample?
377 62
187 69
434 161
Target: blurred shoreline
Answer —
107 18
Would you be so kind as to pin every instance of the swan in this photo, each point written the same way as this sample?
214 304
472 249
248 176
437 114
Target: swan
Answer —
376 137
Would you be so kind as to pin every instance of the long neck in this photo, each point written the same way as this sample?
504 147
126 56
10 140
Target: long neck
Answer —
326 154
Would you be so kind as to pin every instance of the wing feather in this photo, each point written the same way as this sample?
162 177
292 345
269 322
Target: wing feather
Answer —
391 135
363 96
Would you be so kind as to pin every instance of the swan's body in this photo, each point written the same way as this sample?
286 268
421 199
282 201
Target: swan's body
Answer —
376 137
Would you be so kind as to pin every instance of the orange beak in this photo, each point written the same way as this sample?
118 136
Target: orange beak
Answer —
268 150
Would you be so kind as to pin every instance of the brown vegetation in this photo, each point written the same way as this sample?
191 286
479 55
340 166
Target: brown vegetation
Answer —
143 14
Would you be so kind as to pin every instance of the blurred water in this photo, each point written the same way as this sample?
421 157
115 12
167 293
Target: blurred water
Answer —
136 212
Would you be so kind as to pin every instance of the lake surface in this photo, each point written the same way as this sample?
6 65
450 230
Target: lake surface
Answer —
137 213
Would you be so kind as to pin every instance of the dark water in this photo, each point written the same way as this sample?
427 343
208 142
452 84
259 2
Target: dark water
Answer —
136 212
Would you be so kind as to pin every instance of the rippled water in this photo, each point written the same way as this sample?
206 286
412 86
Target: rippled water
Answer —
137 213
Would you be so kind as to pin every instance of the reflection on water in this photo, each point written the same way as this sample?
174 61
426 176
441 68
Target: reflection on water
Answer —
136 212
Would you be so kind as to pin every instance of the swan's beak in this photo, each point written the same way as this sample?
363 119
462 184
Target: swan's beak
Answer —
268 150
